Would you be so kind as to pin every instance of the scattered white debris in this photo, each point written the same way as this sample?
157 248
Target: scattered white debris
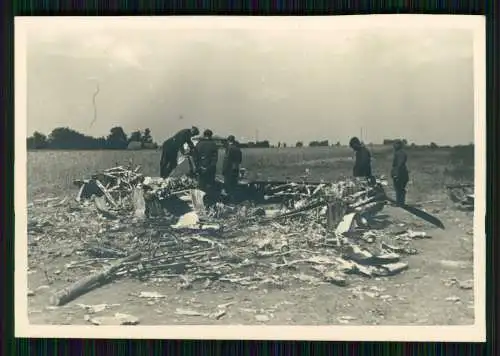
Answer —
469 284
218 314
345 319
151 295
42 287
262 318
117 319
188 220
97 308
189 312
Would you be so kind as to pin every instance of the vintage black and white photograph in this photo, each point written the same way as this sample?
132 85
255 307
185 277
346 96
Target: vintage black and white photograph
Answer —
252 173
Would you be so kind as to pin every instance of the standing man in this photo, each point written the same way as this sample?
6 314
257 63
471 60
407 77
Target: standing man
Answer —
207 155
231 165
399 172
363 164
171 148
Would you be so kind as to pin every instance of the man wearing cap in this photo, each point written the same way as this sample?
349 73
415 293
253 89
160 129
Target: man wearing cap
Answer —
399 172
362 165
231 165
207 155
171 148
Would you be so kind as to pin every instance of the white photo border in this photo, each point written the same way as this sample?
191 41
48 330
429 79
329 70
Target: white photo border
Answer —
471 333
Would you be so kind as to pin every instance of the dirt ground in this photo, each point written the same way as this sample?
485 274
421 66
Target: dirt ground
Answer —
421 295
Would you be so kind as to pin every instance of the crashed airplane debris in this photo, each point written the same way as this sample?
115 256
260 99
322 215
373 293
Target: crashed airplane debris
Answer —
462 195
167 229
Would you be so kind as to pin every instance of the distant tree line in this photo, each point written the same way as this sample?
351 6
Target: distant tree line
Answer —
258 144
390 142
65 138
323 143
432 145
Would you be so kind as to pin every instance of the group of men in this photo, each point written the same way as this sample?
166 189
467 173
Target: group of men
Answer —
205 156
399 171
206 153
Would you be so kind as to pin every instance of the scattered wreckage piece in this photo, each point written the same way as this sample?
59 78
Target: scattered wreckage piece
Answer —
423 215
160 196
272 226
117 319
365 200
90 282
114 184
462 195
165 195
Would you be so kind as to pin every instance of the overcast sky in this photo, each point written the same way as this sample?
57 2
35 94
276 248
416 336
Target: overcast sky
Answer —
303 79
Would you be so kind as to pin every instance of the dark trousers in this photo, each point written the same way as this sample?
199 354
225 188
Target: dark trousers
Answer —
206 183
168 161
230 181
206 178
400 189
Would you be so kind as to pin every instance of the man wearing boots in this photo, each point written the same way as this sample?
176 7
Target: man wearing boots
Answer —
362 165
231 165
207 155
399 172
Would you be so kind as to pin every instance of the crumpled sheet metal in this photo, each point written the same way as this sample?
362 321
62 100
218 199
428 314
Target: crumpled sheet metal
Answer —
462 194
232 244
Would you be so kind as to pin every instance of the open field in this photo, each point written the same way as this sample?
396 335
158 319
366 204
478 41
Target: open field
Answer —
52 172
417 296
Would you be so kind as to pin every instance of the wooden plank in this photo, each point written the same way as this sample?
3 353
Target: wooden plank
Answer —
90 282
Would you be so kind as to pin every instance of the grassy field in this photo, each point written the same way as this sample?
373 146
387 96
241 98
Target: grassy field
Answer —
420 296
52 172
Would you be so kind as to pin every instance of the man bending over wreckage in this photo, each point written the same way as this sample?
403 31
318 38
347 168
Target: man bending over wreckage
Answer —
362 166
171 148
231 165
399 172
207 155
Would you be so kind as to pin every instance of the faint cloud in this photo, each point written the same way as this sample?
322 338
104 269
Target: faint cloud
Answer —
81 44
416 46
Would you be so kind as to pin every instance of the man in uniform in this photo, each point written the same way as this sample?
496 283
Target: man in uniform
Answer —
207 155
399 172
171 148
363 165
231 165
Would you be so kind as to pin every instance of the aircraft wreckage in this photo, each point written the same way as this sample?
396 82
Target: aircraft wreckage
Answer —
270 233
